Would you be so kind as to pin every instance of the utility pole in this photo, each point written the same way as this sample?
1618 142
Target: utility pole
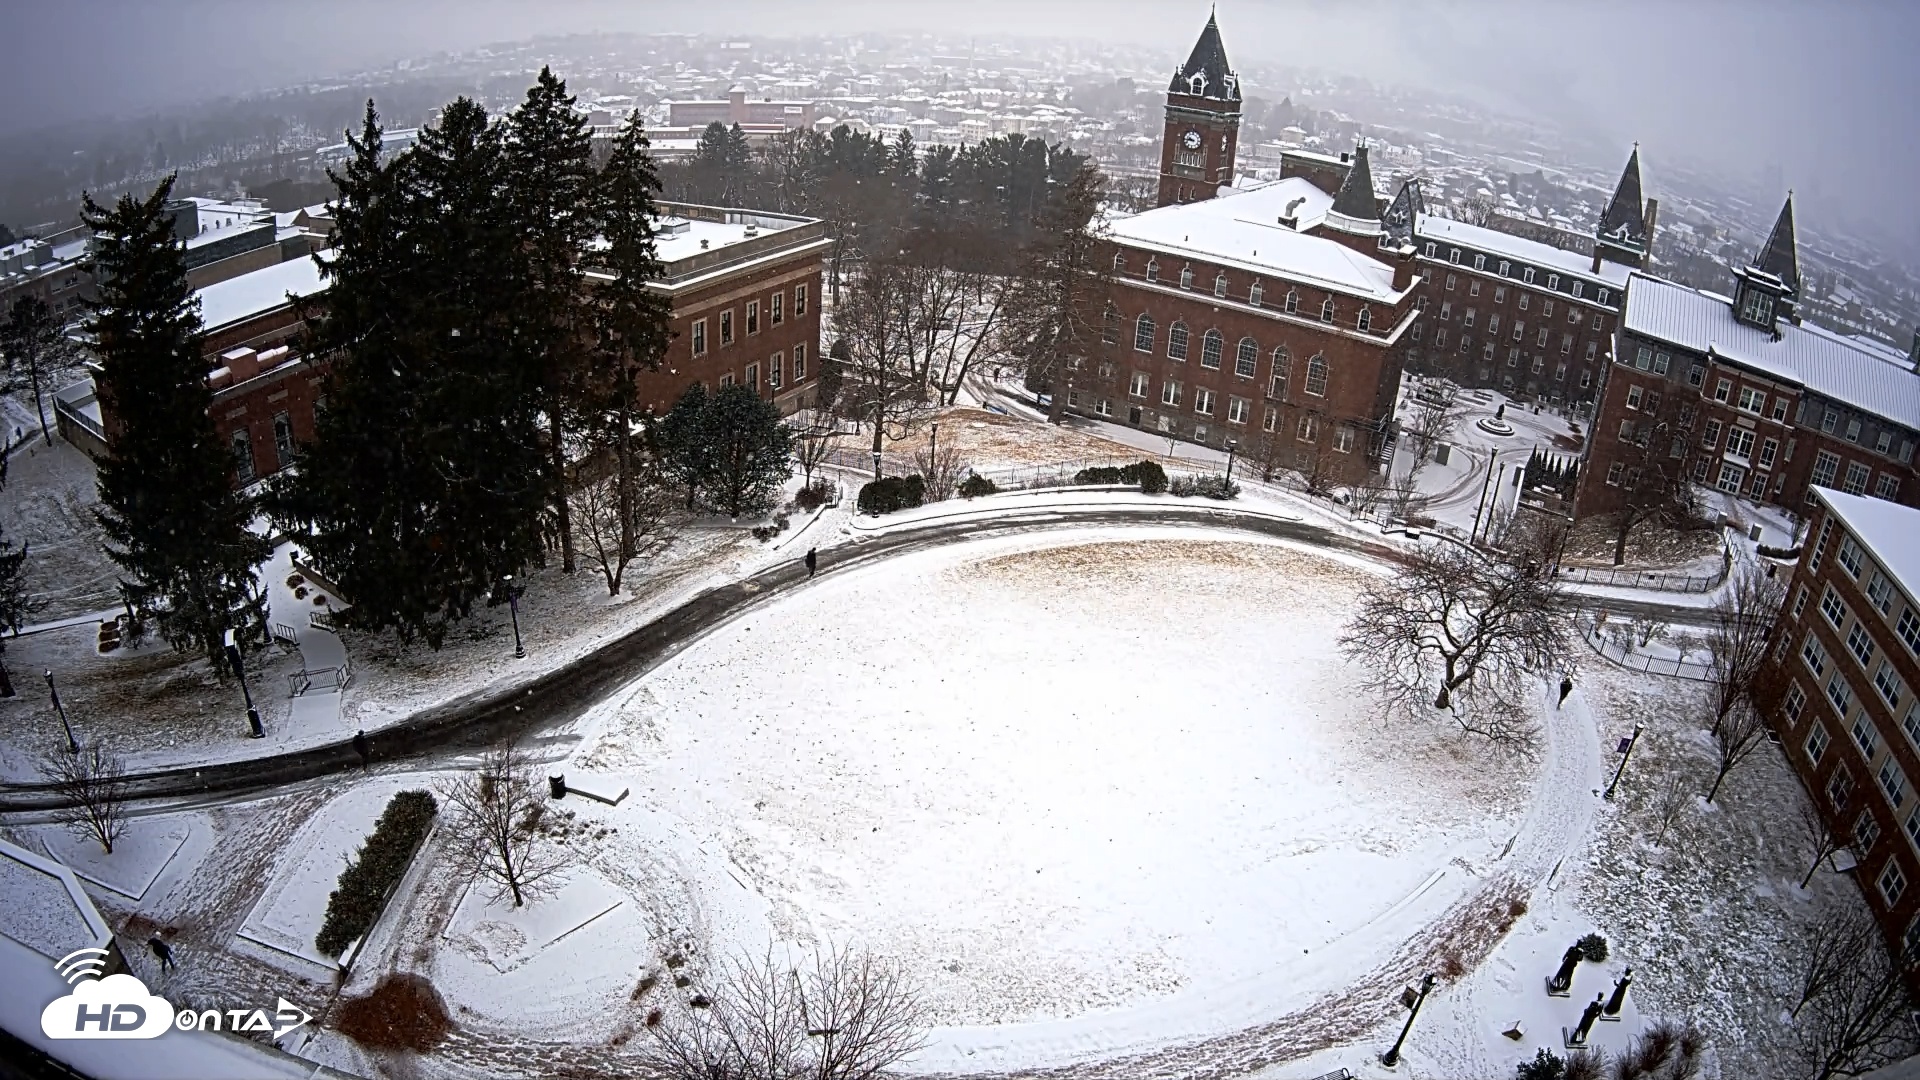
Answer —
1485 484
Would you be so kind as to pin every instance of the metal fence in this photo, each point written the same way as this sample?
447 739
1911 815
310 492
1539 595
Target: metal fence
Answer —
1621 654
1648 579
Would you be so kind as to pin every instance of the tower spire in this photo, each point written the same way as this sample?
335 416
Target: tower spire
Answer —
1623 226
1780 255
1207 74
1355 208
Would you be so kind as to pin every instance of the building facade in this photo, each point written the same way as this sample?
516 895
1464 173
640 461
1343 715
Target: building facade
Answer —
1737 394
1202 134
736 109
1531 319
1848 645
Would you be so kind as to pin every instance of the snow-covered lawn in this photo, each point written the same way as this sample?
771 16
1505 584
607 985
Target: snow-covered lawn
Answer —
140 852
1095 793
49 505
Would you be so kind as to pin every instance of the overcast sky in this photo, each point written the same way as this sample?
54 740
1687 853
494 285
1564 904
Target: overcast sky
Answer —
1825 92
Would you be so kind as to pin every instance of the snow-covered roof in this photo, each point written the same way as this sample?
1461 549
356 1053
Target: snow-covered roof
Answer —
1519 249
1241 229
1886 529
1827 363
243 297
716 235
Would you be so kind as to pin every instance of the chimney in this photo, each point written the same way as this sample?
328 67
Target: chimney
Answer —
1596 258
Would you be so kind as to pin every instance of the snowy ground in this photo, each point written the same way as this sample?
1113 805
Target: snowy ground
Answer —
49 505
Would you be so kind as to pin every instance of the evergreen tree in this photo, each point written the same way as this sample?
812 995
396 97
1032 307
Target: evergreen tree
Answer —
36 349
173 519
550 151
15 604
683 445
750 449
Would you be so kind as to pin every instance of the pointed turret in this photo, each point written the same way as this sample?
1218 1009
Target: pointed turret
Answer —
1780 255
1355 209
1622 236
1404 214
1206 73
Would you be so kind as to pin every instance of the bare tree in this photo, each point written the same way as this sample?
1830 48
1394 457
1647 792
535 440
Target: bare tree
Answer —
497 825
1671 798
1738 736
1471 630
1648 629
93 785
1855 1012
844 1015
1434 414
1827 950
1738 636
621 526
1655 457
1367 493
1478 209
942 470
882 386
811 448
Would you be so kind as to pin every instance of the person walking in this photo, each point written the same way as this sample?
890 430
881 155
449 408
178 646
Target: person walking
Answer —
813 560
360 747
1566 687
161 951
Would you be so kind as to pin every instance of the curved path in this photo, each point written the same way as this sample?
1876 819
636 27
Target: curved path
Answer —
565 693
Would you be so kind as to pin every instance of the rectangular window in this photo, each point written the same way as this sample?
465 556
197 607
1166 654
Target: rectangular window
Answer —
1722 389
1909 629
727 379
1753 401
1780 404
1467 319
1203 401
1740 443
1815 655
775 373
1893 883
1661 361
1889 684
1865 735
1343 439
1309 429
1840 788
1832 607
1237 410
1473 287
753 316
1271 420
1795 703
1710 434
243 456
1851 557
1634 396
753 377
283 439
776 311
726 327
799 362
1880 593
1170 393
1449 282
1817 741
699 337
799 300
1769 449
1860 643
1887 487
1138 386
1856 481
1696 375
1826 464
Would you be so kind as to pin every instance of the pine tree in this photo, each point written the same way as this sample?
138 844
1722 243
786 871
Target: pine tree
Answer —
550 157
36 349
750 449
15 604
173 519
683 445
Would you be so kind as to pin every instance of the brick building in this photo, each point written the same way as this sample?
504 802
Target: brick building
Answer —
1532 319
736 109
1847 716
1738 394
744 287
1270 317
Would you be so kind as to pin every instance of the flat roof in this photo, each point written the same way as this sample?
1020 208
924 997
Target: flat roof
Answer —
1241 229
717 235
1827 363
1521 250
1887 529
235 299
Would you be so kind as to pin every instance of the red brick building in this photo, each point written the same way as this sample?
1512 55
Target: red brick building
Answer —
1849 643
1737 394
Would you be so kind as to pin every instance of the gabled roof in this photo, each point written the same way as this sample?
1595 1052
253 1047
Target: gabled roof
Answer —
1407 207
1780 255
1356 198
1216 79
1625 220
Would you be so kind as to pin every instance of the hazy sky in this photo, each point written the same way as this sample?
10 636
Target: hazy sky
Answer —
1825 92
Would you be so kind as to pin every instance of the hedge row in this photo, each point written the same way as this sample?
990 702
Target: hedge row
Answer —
890 493
1148 474
367 881
1212 486
976 485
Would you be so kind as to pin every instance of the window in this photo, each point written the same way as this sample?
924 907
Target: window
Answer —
1365 321
1731 478
699 337
1211 346
1553 282
1696 375
1710 434
753 377
1282 368
1309 429
1866 830
775 374
1880 593
1153 269
726 327
1892 882
1840 787
1817 741
1634 396
1887 487
1466 320
1177 341
1851 557
1889 684
283 439
1740 443
1343 439
1143 334
1110 326
1449 282
1103 407
1832 607
1825 464
1170 393
1769 448
1479 262
1860 643
799 362
776 310
1865 735
1219 284
1753 401
1186 277
1203 401
1853 430
1661 362
1546 309
1446 309
1473 287
1317 375
1815 655
753 317
1603 299
1430 249
1254 294
1780 404
1519 331
1453 256
1795 702
1246 359
1500 292
1119 262
1566 344
243 456
1137 387
1829 420
1883 442
1326 310
727 379
1614 472
1237 408
1579 288
1909 629
1525 299
1912 723
1293 301
1856 481
1272 419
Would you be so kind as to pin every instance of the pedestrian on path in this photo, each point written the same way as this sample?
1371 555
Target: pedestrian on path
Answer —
360 747
162 951
1566 687
813 560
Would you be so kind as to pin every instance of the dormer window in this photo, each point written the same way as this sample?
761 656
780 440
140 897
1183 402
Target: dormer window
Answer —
1430 249
1453 256
1198 82
1326 310
1479 262
1526 275
1293 301
1506 268
1186 277
1756 308
1153 269
1553 282
1253 294
1603 295
1219 284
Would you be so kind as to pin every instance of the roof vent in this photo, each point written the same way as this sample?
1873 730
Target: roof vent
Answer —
673 226
703 245
1345 156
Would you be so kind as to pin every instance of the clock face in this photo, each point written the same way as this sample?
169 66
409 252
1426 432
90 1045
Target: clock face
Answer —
1192 139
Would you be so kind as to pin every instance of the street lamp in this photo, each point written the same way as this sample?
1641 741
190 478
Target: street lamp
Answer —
73 744
1625 753
933 449
1231 447
240 672
1392 1057
876 464
513 609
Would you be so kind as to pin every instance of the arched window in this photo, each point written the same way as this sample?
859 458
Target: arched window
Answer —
1253 294
1219 284
1119 262
1365 321
1326 310
1282 370
1186 277
1153 269
1293 301
1143 332
1211 346
1177 341
1110 326
1317 375
1247 360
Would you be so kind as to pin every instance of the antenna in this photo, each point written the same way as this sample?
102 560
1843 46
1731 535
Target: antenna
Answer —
82 964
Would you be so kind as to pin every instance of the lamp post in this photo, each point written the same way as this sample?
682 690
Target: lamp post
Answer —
240 672
513 609
73 744
1231 447
1625 753
933 448
876 464
1392 1057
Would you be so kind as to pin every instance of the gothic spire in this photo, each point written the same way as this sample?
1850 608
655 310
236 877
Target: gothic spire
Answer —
1355 198
1780 255
1401 217
1206 73
1624 224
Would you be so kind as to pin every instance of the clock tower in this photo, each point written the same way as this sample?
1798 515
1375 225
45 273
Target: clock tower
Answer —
1203 123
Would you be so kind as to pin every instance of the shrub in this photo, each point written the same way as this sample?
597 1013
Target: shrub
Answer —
1778 553
778 525
891 493
976 485
1100 474
375 871
813 496
1594 948
1212 486
1546 1065
1148 474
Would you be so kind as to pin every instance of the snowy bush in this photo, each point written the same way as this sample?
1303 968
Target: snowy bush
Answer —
1148 474
1594 948
778 525
891 493
813 496
1099 474
1213 486
374 873
1546 1065
976 485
